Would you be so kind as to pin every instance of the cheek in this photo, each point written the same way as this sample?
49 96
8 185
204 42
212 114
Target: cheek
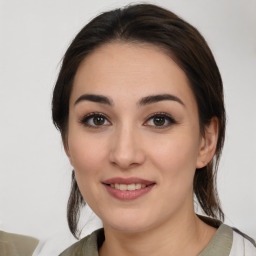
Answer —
87 159
176 158
86 154
176 161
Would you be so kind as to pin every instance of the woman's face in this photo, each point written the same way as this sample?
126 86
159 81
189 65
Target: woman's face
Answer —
133 121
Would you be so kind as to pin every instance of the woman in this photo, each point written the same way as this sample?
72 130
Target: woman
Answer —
139 104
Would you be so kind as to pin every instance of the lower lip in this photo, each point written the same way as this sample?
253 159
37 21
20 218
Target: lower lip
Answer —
128 194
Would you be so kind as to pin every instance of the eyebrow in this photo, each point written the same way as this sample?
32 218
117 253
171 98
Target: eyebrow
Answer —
160 97
95 98
142 102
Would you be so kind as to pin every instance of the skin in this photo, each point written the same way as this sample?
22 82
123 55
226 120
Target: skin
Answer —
128 143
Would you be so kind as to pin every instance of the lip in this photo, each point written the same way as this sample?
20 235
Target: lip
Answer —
128 194
127 181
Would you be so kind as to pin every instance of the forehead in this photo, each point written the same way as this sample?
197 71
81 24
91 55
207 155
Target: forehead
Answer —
129 69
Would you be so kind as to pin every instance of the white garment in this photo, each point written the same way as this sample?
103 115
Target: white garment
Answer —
241 246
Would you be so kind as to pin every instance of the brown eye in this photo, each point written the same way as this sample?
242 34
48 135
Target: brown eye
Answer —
95 120
160 120
98 120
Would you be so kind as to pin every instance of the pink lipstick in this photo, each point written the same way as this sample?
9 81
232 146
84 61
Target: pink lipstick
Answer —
128 188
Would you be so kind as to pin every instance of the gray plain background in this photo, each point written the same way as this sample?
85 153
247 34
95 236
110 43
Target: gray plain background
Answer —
35 173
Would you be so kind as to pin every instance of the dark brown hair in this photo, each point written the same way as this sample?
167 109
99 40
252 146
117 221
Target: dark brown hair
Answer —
146 23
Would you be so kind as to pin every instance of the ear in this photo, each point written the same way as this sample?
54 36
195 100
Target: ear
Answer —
208 143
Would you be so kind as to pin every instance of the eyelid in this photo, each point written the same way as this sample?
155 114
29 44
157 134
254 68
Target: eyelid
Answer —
84 120
163 114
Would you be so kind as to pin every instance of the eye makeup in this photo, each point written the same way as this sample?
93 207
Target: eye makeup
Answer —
95 120
158 120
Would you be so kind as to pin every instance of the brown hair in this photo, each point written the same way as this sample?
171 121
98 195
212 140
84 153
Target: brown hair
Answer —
148 23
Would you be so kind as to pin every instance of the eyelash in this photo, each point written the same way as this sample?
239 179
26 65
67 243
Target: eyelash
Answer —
167 118
85 120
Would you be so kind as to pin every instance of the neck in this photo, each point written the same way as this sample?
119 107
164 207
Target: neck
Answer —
179 236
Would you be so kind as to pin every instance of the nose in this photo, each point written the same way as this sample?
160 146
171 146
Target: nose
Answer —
126 148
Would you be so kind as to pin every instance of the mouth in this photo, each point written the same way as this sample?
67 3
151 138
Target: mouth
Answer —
128 188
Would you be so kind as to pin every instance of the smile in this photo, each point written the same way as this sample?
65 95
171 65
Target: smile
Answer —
128 188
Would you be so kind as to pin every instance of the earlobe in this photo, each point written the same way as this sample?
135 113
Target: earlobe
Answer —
208 143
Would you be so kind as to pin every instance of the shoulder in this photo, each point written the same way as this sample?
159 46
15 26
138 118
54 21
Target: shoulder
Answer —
229 241
86 246
11 243
242 244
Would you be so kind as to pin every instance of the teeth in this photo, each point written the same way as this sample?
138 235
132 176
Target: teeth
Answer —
129 187
138 186
123 187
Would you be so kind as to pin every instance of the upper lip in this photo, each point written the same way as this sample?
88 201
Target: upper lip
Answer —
131 180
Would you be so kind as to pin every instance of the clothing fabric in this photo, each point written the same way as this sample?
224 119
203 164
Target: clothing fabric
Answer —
225 242
16 245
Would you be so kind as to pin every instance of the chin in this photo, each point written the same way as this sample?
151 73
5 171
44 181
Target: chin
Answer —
130 222
129 227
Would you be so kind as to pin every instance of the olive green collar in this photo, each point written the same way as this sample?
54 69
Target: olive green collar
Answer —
221 242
